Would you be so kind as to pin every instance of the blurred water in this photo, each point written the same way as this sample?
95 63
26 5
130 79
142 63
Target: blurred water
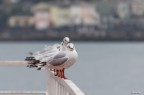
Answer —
102 68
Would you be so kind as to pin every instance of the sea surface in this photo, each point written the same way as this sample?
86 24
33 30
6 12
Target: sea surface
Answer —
103 68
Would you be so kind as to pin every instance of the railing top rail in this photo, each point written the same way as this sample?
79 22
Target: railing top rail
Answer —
23 92
12 63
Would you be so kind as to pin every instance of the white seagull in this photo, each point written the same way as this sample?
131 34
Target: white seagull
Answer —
62 60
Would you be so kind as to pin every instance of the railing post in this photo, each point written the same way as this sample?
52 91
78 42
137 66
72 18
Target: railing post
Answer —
58 86
50 83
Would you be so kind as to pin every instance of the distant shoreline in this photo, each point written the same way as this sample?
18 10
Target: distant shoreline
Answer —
99 36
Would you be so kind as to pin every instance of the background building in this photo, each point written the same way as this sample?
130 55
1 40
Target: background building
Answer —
123 10
137 7
93 19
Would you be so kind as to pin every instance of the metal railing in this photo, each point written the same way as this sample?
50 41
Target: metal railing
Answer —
56 85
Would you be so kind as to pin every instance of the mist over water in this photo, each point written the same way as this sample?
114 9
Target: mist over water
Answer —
105 68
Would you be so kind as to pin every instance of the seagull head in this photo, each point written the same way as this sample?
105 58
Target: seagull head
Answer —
66 40
70 46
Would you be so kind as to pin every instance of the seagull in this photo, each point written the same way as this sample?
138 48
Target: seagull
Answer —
36 59
63 60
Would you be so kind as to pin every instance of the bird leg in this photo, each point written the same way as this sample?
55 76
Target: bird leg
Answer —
60 73
57 72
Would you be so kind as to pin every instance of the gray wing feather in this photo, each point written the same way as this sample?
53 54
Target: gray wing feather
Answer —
59 59
60 55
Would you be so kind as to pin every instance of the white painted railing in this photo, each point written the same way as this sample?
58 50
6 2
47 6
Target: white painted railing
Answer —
12 63
24 92
56 85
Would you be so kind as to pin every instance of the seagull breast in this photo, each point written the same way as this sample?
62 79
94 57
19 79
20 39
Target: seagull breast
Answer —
72 56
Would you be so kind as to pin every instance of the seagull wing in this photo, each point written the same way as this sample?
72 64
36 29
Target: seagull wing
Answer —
48 49
58 59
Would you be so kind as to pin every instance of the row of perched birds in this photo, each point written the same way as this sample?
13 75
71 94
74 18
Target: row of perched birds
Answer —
57 57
